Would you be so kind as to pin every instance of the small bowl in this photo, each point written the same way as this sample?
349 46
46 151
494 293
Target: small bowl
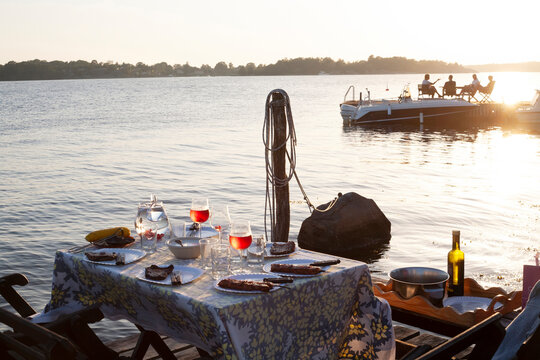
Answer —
427 282
190 249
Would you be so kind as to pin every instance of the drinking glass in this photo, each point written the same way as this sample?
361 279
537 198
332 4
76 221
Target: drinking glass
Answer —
150 235
220 219
199 212
240 238
206 245
221 261
255 253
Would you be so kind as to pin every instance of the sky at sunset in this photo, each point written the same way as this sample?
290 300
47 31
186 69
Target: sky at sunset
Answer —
206 32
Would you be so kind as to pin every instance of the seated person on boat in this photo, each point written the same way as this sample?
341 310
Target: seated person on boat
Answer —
449 87
428 88
472 88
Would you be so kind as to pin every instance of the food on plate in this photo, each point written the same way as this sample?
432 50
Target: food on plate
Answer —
154 272
102 234
282 248
295 269
245 285
176 278
121 259
101 256
116 241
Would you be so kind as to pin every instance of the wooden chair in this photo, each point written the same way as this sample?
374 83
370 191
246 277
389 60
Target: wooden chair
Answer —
486 336
69 335
423 91
449 91
485 92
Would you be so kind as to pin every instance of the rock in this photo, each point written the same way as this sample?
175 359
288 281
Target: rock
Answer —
353 225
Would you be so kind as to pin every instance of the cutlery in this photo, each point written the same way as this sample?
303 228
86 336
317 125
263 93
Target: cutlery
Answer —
325 262
281 280
79 248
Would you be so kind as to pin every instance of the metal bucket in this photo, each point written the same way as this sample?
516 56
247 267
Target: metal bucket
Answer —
427 282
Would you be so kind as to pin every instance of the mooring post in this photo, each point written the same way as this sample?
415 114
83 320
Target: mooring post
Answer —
282 206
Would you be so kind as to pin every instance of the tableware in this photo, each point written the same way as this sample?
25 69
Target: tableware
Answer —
203 231
199 211
205 246
278 280
220 219
267 267
463 304
187 273
221 260
255 253
325 262
269 255
250 277
240 239
427 282
149 237
188 249
131 255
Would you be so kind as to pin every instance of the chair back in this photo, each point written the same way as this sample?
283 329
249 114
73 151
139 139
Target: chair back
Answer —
449 89
489 88
32 341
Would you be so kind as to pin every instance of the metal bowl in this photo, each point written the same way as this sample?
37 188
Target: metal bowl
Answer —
427 282
190 248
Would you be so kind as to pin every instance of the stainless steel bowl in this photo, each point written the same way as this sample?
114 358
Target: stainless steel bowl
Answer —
427 282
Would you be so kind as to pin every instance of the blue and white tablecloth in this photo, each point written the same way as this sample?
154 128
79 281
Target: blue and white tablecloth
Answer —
331 316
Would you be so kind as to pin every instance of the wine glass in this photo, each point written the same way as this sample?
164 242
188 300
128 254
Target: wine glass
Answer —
139 221
240 238
220 219
199 212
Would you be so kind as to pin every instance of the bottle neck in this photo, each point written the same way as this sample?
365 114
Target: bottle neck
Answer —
455 243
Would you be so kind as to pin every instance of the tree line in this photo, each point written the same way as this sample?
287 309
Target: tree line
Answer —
51 70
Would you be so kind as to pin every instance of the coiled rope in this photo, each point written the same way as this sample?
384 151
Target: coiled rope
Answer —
273 181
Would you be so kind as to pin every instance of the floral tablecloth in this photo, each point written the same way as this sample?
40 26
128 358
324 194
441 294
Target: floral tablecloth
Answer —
331 316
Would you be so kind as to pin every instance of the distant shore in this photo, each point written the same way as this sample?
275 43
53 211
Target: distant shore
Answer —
57 70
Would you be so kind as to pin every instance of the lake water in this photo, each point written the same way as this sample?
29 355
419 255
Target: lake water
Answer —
78 155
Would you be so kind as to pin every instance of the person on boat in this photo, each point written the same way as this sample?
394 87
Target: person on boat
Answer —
472 88
449 87
488 87
428 88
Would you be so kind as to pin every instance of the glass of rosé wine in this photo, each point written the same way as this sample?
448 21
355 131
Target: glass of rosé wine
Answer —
240 238
199 212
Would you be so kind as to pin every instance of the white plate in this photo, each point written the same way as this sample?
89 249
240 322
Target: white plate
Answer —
292 262
462 304
207 231
252 277
132 255
187 273
268 255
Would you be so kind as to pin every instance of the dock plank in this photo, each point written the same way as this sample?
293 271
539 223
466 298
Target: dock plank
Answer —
182 351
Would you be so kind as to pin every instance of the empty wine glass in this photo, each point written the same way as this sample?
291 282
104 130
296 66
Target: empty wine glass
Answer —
199 212
220 219
240 238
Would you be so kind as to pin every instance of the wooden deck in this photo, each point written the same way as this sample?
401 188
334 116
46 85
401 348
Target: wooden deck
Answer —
125 346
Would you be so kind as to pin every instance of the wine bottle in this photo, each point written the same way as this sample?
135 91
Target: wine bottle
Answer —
456 267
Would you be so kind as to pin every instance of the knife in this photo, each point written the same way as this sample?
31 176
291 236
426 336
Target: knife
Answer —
325 262
282 280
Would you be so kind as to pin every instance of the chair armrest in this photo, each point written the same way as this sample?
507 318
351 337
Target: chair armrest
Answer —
12 296
486 335
33 341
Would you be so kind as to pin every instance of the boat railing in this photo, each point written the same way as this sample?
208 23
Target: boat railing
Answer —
347 93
